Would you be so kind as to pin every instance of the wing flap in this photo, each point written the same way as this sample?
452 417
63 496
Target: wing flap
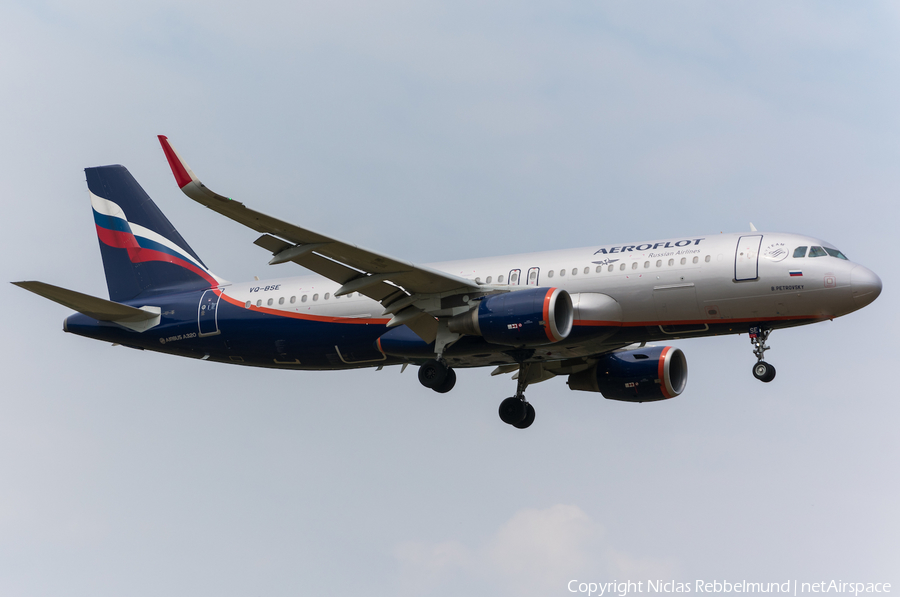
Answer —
270 243
323 266
342 274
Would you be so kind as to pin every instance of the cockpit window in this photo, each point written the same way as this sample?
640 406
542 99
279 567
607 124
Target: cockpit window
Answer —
800 252
835 253
817 252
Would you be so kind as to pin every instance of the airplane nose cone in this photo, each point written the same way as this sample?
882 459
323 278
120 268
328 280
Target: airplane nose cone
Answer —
865 285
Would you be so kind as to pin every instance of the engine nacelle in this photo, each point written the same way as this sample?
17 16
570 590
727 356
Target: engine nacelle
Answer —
639 375
532 317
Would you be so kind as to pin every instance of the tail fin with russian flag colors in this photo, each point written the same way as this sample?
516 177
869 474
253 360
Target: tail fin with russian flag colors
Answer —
143 254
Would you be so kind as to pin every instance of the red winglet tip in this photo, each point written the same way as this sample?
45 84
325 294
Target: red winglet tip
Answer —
182 177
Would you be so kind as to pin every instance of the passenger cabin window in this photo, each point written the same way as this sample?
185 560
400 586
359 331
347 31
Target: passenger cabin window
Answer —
562 272
634 265
646 264
514 279
835 253
281 300
574 271
707 259
327 295
610 268
696 259
303 299
622 267
293 299
532 276
817 252
671 262
269 302
659 263
499 279
800 252
247 305
683 260
599 268
259 303
587 270
550 274
489 279
315 297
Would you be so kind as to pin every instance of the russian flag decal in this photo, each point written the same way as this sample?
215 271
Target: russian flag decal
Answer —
796 272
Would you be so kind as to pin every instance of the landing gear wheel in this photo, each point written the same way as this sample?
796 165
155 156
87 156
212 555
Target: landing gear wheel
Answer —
528 420
447 384
513 410
432 374
764 372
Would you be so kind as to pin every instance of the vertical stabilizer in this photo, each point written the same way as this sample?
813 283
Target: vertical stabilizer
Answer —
142 252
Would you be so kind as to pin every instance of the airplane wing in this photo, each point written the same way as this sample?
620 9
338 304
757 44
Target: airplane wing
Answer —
393 282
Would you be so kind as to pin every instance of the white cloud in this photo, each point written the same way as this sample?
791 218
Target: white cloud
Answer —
536 552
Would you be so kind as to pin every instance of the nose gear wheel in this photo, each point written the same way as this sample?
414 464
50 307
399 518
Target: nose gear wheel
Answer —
763 371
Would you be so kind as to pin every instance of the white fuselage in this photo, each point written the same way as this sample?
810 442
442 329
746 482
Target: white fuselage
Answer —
654 283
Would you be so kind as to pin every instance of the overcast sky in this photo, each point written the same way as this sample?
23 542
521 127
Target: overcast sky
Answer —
437 131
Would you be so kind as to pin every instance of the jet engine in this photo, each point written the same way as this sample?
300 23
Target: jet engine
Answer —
532 317
638 375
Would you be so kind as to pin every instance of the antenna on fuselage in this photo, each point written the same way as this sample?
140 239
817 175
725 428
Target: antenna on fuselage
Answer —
753 228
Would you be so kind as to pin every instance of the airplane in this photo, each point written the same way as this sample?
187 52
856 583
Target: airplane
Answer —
589 314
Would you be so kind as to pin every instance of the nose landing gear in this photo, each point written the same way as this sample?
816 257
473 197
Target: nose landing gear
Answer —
762 370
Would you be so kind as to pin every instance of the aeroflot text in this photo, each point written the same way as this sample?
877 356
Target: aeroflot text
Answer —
621 589
650 246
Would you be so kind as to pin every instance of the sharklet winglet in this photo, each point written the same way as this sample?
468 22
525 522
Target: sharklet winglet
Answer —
183 174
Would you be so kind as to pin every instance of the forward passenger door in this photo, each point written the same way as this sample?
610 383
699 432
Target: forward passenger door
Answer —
746 258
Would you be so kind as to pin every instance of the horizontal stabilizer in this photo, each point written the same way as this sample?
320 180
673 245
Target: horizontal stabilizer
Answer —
97 308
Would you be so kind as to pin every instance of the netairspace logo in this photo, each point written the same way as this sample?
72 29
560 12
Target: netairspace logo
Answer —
791 587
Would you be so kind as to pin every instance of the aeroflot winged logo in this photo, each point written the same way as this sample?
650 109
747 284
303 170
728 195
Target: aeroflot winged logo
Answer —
669 244
605 261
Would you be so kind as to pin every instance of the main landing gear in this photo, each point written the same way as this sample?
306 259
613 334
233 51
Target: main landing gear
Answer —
762 370
436 375
515 410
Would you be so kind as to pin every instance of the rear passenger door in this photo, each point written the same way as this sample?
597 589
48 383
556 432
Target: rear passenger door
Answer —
207 313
